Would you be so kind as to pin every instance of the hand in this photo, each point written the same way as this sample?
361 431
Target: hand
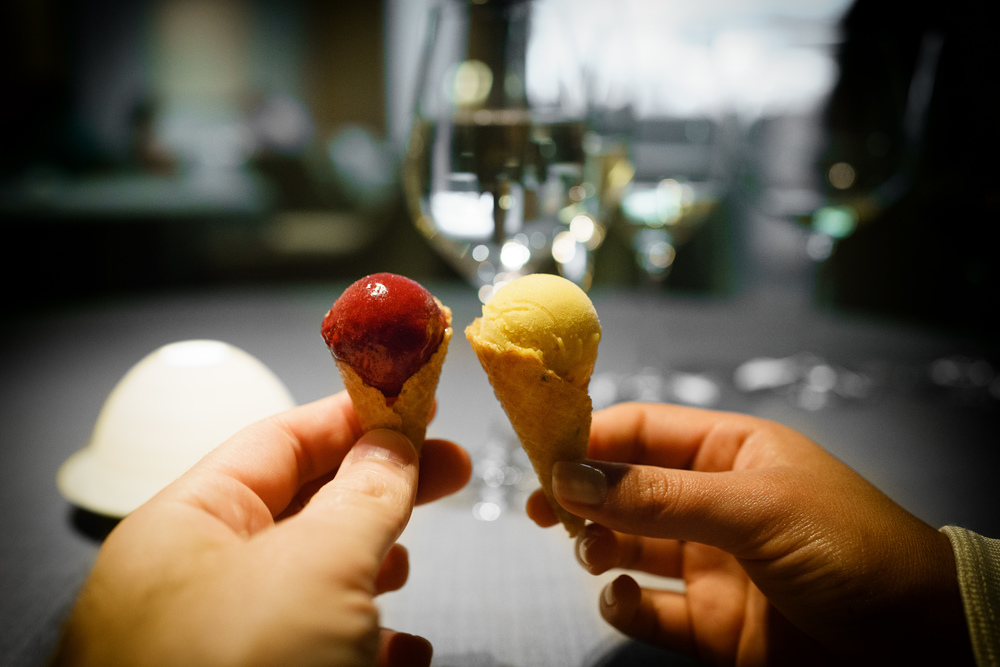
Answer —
269 551
788 556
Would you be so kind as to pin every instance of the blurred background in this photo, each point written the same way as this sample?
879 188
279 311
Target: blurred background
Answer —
848 149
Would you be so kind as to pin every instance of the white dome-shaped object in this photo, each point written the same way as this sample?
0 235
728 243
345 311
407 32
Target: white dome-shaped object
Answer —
165 414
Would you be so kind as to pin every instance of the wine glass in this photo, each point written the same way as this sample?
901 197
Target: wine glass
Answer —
679 133
670 199
501 173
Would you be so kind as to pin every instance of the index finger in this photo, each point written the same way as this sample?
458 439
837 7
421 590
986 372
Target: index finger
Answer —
669 436
275 457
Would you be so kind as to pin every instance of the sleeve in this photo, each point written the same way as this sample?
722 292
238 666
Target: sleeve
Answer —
977 559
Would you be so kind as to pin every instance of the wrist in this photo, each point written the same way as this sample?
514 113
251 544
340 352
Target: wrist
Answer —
925 622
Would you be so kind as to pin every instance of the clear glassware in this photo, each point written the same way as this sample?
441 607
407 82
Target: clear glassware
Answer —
664 206
679 137
501 174
655 106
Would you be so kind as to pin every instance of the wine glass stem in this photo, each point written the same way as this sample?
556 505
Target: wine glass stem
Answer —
499 212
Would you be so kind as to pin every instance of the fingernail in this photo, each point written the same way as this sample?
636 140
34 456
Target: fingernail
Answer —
579 482
384 445
407 650
608 595
583 547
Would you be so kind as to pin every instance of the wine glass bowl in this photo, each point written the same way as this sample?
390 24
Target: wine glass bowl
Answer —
501 174
680 180
487 190
661 216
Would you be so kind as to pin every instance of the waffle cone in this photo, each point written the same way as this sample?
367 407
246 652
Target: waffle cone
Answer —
550 416
409 412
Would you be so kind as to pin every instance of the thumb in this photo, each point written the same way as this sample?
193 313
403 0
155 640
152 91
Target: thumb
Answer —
361 512
722 509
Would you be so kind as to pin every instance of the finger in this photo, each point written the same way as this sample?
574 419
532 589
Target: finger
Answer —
395 570
352 522
444 469
732 511
599 549
305 494
669 436
539 510
398 649
275 457
661 618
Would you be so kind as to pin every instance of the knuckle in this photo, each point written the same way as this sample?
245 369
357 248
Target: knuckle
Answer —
371 481
648 500
371 486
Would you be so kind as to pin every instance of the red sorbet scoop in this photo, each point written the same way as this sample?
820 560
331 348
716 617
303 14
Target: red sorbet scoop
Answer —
385 327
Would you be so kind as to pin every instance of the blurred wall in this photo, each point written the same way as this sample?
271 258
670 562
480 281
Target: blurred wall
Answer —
161 144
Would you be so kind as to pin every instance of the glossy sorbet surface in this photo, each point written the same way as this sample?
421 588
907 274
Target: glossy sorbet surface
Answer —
385 327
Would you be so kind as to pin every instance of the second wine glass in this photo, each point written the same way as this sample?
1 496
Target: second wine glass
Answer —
501 174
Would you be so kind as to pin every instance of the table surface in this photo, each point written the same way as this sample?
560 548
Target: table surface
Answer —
485 592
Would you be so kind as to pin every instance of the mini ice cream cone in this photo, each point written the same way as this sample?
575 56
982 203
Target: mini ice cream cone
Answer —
550 416
411 410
